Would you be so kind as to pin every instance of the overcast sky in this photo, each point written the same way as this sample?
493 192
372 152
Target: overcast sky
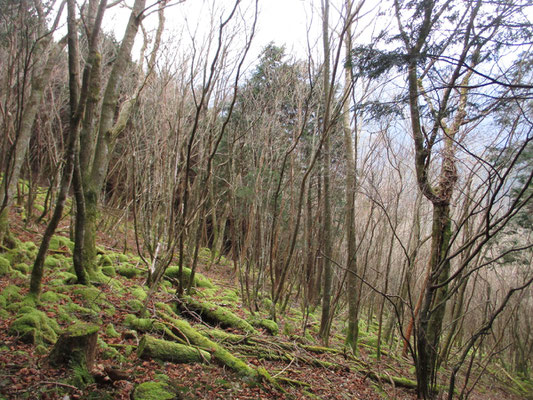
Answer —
284 22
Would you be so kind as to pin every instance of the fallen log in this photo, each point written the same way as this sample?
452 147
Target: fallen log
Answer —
150 347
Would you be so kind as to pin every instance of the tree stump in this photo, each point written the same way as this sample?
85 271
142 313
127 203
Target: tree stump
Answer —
76 345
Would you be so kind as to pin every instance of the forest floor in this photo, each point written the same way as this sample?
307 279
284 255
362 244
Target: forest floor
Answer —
298 367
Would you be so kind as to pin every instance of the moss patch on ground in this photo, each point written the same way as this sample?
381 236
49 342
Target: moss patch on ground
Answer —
153 391
199 280
5 266
34 326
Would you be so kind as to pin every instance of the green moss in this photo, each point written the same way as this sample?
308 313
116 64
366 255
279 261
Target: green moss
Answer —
22 267
199 279
153 391
218 352
150 347
61 242
128 271
215 314
12 293
63 278
267 324
109 271
221 336
106 261
134 305
30 247
81 377
41 350
50 297
161 377
2 301
72 311
267 303
17 275
91 296
4 266
27 301
111 331
51 262
19 254
288 328
230 296
123 258
82 329
139 293
128 350
33 326
139 324
110 310
166 308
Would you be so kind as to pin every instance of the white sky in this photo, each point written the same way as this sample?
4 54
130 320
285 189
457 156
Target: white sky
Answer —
284 22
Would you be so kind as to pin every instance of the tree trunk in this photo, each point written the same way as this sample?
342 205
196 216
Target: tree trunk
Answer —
434 305
328 272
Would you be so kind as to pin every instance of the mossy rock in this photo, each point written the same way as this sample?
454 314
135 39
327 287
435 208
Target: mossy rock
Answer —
123 258
199 280
34 326
2 301
19 254
30 247
109 271
27 301
111 331
164 350
215 314
59 242
267 303
51 262
22 267
64 279
52 297
153 391
5 266
12 293
138 292
106 261
128 271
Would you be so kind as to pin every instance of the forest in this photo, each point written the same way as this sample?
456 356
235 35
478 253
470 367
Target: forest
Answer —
186 213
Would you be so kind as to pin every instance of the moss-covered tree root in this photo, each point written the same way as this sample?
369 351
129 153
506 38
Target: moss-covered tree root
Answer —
150 347
214 314
182 328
